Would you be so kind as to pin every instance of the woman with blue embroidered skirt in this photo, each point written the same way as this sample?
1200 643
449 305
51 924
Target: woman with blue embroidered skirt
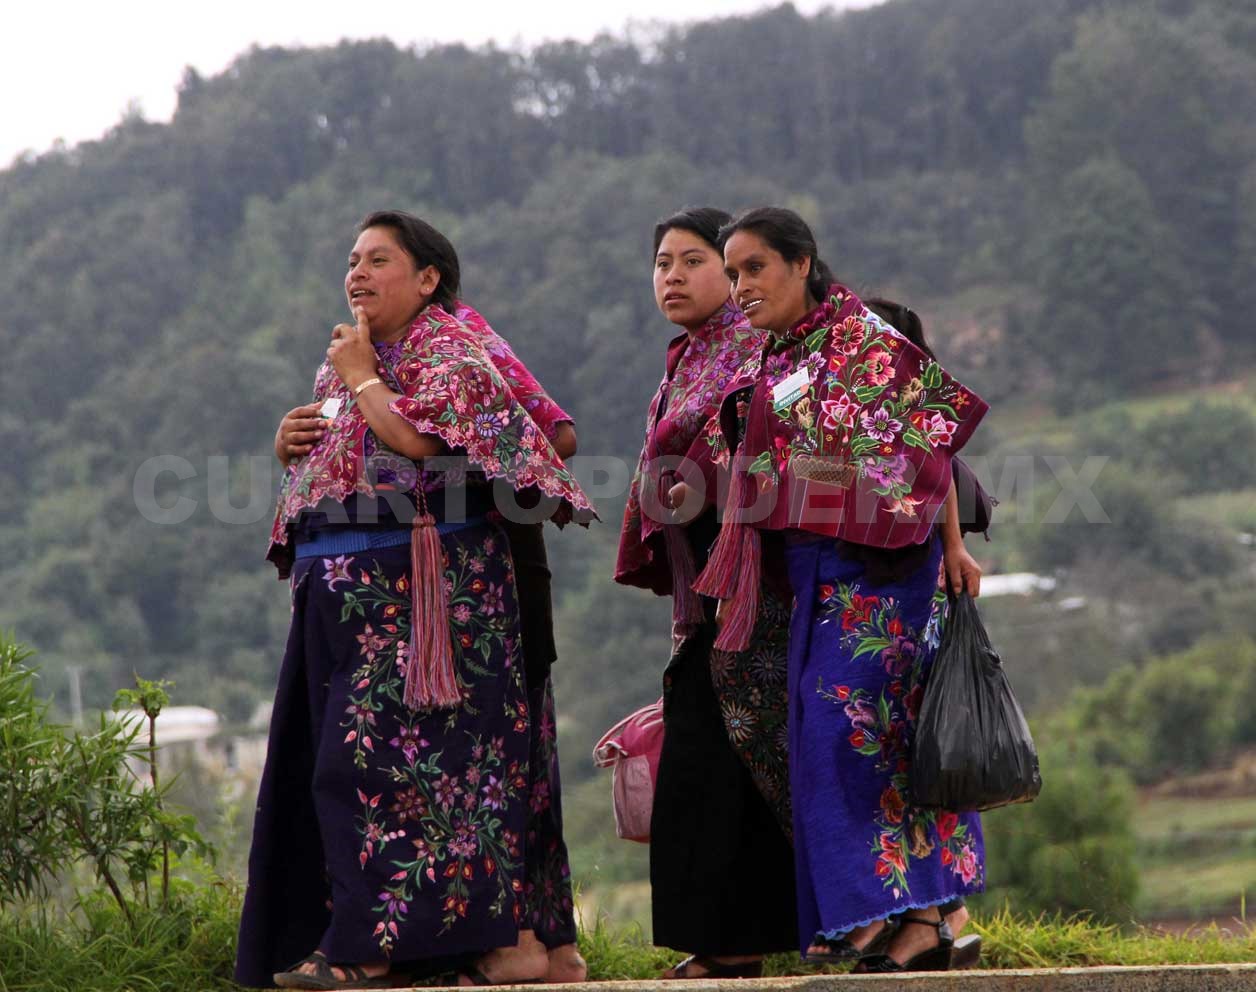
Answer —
391 825
721 800
848 435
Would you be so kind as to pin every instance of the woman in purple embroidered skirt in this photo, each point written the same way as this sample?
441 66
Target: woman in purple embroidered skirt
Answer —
721 801
393 813
848 435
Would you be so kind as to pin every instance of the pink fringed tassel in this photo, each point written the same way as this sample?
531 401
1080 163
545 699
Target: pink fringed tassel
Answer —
718 577
686 604
431 680
742 608
733 572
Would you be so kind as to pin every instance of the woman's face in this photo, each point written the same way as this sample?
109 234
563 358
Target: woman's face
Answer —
771 292
384 282
689 280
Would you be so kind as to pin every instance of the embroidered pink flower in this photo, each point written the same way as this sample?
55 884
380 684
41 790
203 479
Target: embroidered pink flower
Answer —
493 600
494 793
878 367
861 714
967 865
371 642
939 430
409 740
839 412
446 791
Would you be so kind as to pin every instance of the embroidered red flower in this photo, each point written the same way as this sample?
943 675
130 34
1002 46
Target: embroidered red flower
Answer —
892 805
947 822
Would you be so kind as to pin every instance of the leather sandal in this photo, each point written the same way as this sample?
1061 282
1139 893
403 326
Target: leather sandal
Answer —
713 969
838 949
323 978
936 958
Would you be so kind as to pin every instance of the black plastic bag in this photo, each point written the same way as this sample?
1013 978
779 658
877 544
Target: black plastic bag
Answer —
973 749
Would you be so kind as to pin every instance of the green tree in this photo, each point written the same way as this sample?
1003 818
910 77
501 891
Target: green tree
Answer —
1110 317
1072 849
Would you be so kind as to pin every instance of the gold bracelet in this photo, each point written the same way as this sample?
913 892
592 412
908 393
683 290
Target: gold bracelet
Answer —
377 381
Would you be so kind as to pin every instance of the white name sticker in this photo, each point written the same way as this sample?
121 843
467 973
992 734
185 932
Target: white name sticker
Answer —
330 409
789 390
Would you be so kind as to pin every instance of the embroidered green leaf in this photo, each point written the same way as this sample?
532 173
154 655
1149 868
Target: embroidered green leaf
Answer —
815 340
863 444
761 464
866 394
931 375
915 438
871 645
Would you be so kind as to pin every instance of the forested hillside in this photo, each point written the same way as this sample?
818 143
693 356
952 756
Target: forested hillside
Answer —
1064 189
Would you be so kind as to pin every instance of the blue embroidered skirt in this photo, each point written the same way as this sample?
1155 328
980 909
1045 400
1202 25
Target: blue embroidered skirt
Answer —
381 832
859 658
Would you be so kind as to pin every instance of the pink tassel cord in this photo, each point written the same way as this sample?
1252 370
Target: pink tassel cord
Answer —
720 573
431 679
733 572
742 608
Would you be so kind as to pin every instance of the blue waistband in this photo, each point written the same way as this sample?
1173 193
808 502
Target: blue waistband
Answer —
354 540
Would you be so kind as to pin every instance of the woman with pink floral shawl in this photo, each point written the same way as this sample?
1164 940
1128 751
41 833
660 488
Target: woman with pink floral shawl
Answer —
844 444
720 860
392 818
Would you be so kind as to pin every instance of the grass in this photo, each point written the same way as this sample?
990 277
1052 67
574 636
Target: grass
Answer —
192 946
1197 887
1162 818
1009 941
1197 857
1235 509
1054 942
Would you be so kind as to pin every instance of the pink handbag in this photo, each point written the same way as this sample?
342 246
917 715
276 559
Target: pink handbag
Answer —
631 750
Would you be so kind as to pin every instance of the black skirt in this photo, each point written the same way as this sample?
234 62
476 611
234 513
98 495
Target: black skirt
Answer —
721 867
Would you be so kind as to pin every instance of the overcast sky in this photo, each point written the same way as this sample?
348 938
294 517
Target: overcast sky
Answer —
69 68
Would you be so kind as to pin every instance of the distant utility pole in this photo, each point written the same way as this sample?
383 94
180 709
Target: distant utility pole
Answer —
76 693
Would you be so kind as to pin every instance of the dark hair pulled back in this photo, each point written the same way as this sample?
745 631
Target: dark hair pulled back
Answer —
705 222
787 234
905 320
426 246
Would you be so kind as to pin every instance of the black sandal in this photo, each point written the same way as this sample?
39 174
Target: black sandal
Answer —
714 969
323 978
840 949
937 958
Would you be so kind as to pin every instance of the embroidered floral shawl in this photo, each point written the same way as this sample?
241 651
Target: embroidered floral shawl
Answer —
699 368
541 408
450 388
857 444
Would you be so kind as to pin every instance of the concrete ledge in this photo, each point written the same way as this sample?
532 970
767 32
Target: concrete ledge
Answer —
1169 978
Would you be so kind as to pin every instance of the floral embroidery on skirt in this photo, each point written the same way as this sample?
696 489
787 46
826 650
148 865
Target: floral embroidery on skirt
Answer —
860 656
